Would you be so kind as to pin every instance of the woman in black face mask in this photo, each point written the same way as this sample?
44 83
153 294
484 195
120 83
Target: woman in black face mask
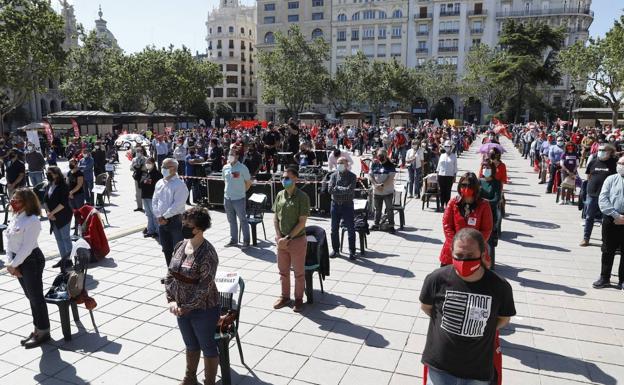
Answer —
75 180
192 294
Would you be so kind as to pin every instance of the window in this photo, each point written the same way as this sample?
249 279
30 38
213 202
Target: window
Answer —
422 45
369 50
342 36
231 67
368 14
269 20
242 69
293 5
420 61
317 16
242 30
381 15
231 29
231 53
342 17
381 50
317 3
231 44
243 106
382 33
232 92
242 44
397 14
218 44
293 18
355 34
477 25
232 105
395 50
219 29
317 34
396 32
341 51
210 44
476 42
209 92
242 56
218 92
269 38
424 28
355 16
369 33
231 79
210 30
269 7
355 49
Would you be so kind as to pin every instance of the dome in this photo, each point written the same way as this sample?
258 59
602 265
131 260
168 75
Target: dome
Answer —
103 32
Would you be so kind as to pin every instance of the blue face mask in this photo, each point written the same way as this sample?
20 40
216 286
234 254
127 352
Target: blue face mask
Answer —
287 182
487 172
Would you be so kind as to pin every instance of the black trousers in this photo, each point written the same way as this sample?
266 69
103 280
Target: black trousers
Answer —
446 185
169 236
612 239
32 283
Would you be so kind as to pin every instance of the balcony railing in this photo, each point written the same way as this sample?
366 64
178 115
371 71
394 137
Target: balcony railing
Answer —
448 49
476 31
423 16
449 13
452 31
422 33
482 12
422 50
546 12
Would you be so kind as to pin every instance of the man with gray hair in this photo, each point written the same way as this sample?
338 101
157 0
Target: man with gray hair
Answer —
170 195
342 189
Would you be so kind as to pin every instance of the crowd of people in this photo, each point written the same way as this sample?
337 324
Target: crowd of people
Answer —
167 177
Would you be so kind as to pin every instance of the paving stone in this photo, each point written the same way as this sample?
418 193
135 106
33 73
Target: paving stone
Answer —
318 371
281 363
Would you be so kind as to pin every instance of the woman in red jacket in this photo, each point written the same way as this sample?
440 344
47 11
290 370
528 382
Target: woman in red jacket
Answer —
466 210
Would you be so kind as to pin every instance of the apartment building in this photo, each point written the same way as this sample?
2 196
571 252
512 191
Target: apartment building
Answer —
231 38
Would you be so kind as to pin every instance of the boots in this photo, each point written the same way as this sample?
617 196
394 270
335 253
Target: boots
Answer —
211 364
192 361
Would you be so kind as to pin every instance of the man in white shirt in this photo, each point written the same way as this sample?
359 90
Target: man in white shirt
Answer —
337 154
168 204
179 153
162 149
414 159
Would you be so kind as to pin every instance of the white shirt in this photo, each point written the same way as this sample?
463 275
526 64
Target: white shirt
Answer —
169 197
415 157
447 165
180 153
22 235
332 161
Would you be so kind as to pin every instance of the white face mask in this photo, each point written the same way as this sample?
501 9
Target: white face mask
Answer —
165 172
620 169
341 167
150 166
231 159
602 155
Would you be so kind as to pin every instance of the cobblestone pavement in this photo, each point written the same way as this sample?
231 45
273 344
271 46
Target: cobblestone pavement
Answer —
366 329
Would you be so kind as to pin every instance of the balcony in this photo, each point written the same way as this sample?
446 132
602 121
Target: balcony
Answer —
476 31
368 38
546 12
396 36
423 16
422 50
449 31
448 49
422 33
449 13
477 13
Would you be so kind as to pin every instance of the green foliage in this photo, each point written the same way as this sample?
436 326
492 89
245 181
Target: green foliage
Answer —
479 81
528 59
347 89
31 35
600 64
293 71
436 82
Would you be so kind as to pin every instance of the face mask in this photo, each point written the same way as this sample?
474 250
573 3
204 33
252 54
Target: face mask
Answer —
165 172
231 159
287 182
341 167
72 166
466 267
620 169
487 172
86 155
50 177
602 155
466 192
560 144
187 232
149 166
415 147
16 206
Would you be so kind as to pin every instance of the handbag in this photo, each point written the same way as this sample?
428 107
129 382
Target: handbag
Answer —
226 321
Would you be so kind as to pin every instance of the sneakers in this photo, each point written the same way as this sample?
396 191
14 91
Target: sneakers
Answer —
584 243
298 307
335 254
231 244
281 302
601 283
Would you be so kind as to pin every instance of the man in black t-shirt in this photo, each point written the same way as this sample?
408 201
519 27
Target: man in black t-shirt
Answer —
271 139
15 172
467 304
598 170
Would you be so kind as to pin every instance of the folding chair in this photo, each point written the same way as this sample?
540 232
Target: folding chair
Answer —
398 204
255 215
226 303
360 208
313 261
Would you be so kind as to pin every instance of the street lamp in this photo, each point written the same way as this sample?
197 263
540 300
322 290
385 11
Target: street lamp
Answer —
572 100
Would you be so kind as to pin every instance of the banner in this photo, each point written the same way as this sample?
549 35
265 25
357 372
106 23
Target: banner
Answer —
226 282
76 127
48 131
33 137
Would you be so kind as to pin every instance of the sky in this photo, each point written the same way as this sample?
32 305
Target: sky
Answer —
138 23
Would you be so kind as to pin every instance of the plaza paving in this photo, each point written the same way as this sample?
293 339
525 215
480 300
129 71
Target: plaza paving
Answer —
366 329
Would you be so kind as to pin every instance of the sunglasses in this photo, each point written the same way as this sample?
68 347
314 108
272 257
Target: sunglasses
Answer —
464 185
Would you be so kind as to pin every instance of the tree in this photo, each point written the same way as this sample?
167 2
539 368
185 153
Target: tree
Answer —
31 37
528 58
436 81
402 84
294 70
600 64
346 89
479 82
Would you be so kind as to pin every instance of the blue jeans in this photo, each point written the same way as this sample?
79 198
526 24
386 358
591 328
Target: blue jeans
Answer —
414 183
152 227
237 209
87 187
438 377
592 212
198 329
63 240
169 235
36 177
346 213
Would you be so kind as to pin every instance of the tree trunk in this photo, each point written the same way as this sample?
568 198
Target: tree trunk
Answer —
519 103
2 124
615 111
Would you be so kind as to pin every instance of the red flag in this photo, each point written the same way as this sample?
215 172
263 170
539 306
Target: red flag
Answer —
364 167
76 127
314 131
48 131
265 124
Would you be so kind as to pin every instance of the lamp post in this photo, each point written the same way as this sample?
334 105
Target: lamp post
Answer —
572 100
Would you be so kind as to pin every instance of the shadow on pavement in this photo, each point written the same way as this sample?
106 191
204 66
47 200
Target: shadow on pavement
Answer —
418 238
513 203
106 262
552 362
513 273
366 261
50 361
249 379
512 327
536 224
521 194
511 237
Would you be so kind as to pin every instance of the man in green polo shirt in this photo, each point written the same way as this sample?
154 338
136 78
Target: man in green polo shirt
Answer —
291 208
